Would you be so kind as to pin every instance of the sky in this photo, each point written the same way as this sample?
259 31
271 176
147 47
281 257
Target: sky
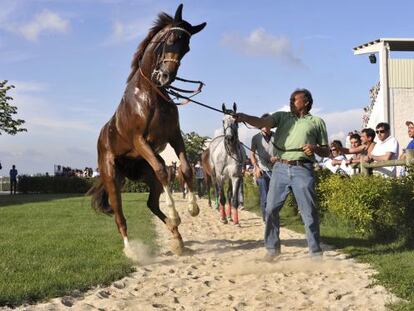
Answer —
69 60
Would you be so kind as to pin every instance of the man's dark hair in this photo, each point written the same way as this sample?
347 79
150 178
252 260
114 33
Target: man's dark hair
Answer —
355 136
384 125
369 132
337 143
306 94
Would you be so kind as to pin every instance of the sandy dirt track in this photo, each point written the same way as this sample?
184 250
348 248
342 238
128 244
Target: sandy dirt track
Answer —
222 269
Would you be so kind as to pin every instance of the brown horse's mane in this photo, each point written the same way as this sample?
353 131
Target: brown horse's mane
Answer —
162 21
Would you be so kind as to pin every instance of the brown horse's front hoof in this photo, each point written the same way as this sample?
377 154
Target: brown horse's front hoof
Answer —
193 209
177 246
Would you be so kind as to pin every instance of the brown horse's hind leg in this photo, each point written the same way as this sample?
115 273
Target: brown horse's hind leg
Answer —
178 144
112 182
187 174
153 203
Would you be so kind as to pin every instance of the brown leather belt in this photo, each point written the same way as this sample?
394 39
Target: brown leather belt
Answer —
294 162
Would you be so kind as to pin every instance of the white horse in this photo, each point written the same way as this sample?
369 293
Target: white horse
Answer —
226 158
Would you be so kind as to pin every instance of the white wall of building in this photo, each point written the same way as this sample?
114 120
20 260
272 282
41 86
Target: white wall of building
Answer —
377 114
402 99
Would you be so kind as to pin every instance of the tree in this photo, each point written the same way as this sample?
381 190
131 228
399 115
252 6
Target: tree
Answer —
7 123
194 146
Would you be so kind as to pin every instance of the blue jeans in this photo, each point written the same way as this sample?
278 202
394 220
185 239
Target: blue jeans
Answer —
300 180
241 193
263 183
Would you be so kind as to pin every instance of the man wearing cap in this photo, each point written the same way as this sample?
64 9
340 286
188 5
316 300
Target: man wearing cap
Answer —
298 137
410 126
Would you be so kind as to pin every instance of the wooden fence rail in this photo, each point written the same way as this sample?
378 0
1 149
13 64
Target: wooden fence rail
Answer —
366 168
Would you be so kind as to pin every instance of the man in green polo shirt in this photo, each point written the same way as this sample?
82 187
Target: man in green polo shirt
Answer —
299 136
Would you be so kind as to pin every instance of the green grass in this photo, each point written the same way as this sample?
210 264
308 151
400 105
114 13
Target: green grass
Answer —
51 245
393 260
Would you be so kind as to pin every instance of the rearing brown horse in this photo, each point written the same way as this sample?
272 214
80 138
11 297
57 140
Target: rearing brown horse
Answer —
144 122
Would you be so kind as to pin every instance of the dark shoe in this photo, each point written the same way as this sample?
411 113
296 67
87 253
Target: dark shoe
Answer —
272 255
316 256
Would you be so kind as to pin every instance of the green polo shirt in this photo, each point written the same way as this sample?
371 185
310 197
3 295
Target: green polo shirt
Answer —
293 132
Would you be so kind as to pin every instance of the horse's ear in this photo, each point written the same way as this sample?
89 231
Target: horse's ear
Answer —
223 107
234 107
198 28
179 14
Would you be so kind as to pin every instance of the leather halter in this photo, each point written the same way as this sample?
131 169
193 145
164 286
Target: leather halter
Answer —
152 84
181 29
172 60
165 97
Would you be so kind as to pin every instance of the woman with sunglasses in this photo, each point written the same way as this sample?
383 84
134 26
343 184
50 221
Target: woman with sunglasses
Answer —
336 157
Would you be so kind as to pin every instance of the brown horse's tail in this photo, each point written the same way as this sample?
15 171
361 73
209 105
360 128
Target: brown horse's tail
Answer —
99 201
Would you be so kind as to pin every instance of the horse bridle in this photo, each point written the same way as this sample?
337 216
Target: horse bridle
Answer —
162 48
174 91
227 147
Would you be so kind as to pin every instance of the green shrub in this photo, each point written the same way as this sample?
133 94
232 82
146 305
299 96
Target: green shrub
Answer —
381 207
135 186
251 194
53 184
60 184
373 206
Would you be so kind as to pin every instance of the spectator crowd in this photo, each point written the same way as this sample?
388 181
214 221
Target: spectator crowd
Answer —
66 171
369 146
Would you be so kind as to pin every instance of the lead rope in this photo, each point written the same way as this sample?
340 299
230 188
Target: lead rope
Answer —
188 99
165 97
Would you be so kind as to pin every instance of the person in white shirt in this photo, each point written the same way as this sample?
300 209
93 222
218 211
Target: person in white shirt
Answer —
385 149
346 165
335 159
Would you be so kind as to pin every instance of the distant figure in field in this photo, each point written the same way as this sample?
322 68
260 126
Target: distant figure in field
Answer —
13 179
199 175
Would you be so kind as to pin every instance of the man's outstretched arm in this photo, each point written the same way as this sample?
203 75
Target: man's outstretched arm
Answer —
255 121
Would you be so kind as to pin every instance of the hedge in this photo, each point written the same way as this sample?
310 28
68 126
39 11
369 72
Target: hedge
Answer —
381 208
60 184
375 206
53 184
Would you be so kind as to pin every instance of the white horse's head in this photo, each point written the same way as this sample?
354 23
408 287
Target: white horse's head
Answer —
230 127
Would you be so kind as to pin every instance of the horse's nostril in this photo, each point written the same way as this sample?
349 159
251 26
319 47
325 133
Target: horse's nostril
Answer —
165 76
